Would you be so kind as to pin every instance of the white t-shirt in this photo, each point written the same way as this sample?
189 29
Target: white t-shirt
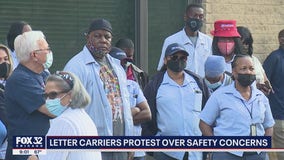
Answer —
72 122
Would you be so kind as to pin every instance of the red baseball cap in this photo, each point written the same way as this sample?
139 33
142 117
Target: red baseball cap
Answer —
225 28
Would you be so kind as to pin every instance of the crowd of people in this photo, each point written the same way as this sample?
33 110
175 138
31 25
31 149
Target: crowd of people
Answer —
220 89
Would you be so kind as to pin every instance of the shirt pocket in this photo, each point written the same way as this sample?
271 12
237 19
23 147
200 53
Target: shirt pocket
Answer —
197 101
259 112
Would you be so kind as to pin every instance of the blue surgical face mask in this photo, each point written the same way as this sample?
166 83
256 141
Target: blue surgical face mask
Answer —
49 60
54 106
213 86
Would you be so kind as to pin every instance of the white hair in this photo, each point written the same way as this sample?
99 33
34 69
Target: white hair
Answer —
26 43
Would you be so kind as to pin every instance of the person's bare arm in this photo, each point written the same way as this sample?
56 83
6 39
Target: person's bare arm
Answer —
205 129
141 113
45 111
268 131
33 157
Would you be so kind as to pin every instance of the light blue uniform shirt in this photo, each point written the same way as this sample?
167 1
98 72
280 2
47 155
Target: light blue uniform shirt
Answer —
136 97
87 69
178 109
232 115
3 132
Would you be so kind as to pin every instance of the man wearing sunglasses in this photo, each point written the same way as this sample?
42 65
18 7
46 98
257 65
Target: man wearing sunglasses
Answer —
176 97
26 110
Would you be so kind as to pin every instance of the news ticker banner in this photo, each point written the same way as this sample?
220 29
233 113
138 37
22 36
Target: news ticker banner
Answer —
26 145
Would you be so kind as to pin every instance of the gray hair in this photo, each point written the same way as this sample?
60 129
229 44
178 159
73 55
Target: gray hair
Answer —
79 96
26 43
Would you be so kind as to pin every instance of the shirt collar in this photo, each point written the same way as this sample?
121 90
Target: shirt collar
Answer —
88 57
168 80
185 39
231 89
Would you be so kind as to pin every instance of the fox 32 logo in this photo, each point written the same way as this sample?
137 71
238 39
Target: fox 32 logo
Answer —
29 142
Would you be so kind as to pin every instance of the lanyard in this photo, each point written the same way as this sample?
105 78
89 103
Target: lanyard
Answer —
249 111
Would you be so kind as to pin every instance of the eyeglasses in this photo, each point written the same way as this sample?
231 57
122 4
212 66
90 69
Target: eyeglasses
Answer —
176 57
41 50
52 95
66 77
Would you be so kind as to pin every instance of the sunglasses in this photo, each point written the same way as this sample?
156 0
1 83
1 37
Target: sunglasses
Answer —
66 77
51 95
176 57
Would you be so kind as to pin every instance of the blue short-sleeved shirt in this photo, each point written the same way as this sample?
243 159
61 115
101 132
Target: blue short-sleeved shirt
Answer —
24 95
178 109
232 115
135 93
136 96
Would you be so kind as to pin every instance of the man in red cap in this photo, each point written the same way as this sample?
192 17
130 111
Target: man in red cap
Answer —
226 41
197 44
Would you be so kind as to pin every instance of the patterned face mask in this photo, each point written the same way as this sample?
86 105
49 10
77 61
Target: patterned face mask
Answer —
194 24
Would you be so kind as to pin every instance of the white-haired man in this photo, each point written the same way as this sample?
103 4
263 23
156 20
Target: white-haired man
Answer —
26 110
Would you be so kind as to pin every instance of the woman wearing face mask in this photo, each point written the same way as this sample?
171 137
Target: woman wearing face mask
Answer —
262 81
243 110
5 64
66 98
226 41
5 71
175 97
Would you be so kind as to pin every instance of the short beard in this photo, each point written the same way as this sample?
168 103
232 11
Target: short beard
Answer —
98 54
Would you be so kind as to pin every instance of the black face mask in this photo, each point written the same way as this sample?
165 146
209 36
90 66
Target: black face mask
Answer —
194 24
246 79
177 65
4 70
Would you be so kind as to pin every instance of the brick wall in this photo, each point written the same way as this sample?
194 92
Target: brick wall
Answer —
264 18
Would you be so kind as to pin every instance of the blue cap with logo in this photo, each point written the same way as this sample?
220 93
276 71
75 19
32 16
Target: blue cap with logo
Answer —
174 48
